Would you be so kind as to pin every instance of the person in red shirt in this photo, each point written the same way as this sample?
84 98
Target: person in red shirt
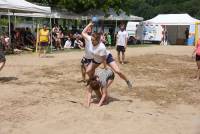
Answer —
197 53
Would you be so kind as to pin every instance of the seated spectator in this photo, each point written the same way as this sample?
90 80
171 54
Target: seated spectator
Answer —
78 43
76 35
29 38
5 43
68 43
6 40
55 29
2 42
18 40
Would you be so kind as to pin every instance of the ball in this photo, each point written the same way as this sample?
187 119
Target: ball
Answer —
94 19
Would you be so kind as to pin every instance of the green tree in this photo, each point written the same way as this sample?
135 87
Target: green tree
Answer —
150 8
143 8
80 6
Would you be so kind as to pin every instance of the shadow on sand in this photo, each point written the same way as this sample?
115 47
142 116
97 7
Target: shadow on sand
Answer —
7 79
110 100
47 56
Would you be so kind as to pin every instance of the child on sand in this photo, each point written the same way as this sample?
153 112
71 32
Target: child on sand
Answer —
102 56
99 83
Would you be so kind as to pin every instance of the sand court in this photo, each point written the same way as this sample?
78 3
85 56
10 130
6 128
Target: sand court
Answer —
43 95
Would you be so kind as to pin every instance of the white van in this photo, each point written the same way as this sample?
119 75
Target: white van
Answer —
149 32
131 28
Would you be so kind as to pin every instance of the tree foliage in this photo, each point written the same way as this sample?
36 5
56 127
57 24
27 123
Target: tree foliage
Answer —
143 8
80 6
150 8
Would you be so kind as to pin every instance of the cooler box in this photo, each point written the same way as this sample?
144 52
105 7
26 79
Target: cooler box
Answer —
190 41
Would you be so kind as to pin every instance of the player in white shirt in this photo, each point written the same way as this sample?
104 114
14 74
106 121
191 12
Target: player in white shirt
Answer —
87 58
121 44
101 55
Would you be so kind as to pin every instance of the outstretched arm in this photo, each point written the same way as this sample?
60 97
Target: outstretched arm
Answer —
84 32
89 96
104 96
105 92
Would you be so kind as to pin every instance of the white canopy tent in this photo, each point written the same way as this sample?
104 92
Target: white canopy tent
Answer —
21 6
63 15
13 7
172 19
175 24
34 15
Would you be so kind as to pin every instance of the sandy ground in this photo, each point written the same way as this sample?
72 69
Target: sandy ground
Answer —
42 95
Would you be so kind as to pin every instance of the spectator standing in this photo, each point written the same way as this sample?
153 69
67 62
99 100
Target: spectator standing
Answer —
44 39
109 40
121 44
164 36
186 34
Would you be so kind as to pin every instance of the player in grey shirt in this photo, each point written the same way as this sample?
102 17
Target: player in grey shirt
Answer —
99 83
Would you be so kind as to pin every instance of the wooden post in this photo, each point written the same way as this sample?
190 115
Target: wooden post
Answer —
37 38
196 32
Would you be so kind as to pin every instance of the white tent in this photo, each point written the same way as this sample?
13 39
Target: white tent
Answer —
32 15
172 19
63 15
22 6
175 24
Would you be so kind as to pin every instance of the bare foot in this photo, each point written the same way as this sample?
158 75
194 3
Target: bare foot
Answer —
196 78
